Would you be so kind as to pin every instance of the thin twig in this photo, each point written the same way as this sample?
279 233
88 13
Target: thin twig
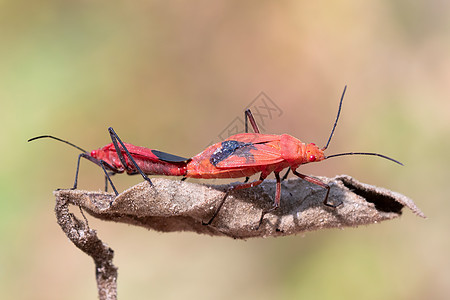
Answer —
87 241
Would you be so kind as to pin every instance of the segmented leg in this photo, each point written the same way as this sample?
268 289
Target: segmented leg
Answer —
249 117
115 138
100 163
106 180
276 203
320 183
232 188
286 174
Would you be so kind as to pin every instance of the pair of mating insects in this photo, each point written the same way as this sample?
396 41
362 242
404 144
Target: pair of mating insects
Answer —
241 155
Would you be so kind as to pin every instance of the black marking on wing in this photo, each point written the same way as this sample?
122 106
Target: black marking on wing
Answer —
232 147
168 157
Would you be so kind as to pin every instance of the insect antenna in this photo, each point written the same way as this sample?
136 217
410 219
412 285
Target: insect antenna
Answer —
58 139
337 118
365 153
352 153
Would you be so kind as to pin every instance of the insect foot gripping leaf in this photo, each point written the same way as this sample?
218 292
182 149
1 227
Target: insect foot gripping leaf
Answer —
182 206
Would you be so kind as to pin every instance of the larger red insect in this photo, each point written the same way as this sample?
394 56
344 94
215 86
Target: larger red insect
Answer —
240 155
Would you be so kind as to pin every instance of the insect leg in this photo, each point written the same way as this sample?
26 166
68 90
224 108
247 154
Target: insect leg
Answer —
249 117
106 180
286 175
100 163
75 184
276 203
232 188
320 183
115 138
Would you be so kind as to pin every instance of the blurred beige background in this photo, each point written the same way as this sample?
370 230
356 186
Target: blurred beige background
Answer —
172 76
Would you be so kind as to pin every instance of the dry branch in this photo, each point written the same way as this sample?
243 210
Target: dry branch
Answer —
87 241
181 206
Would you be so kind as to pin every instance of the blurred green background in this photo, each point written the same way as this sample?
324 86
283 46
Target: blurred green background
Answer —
171 75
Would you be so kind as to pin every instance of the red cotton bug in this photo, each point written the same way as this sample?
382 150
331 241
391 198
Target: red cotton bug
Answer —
245 154
240 155
119 157
127 158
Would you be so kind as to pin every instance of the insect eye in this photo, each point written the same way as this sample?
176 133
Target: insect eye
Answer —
312 158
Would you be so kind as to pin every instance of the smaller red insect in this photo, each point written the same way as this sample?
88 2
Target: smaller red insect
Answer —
114 158
118 157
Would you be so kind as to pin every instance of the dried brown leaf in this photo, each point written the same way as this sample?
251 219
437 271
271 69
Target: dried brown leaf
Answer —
182 206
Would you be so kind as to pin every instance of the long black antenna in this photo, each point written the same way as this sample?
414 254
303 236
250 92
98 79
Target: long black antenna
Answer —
365 153
58 139
337 118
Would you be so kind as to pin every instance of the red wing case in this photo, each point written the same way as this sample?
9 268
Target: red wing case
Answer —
235 154
241 155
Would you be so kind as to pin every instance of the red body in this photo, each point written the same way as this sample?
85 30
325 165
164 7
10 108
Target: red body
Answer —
241 155
253 153
145 158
